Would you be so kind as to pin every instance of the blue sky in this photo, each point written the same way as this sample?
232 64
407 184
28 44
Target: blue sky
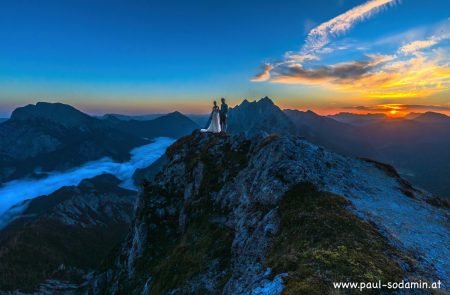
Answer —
152 56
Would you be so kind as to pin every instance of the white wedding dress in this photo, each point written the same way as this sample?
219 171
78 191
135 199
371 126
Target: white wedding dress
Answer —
215 122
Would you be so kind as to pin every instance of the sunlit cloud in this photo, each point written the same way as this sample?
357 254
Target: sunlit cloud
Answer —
415 77
321 35
265 75
418 45
299 58
419 68
341 73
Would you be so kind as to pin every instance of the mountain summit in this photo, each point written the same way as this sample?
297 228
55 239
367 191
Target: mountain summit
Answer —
432 117
59 113
232 215
261 116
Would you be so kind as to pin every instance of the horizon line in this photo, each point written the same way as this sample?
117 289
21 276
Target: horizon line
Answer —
393 113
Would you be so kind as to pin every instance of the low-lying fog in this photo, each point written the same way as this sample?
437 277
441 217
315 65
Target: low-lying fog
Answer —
17 191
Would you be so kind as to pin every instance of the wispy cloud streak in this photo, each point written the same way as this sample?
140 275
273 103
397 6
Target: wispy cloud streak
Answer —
418 45
320 35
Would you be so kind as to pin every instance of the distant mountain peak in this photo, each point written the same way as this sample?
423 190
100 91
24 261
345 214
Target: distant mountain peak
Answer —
262 101
359 115
428 117
307 113
175 114
432 115
312 113
412 115
266 99
358 119
56 112
259 116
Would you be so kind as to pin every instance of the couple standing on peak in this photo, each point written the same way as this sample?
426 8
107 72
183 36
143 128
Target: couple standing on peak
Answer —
218 118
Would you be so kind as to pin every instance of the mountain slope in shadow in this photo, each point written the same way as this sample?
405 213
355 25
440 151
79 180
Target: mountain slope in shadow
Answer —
65 235
54 136
334 135
50 137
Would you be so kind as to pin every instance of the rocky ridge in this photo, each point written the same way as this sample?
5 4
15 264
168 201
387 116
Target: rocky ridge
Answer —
231 215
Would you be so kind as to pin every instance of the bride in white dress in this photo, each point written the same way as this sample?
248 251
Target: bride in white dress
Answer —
215 120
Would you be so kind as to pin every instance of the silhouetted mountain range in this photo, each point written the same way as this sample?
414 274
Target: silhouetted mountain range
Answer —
174 124
330 133
55 136
257 210
199 119
131 117
358 119
46 137
433 118
418 147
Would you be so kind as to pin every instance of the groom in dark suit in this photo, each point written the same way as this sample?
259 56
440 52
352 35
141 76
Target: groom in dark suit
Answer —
223 115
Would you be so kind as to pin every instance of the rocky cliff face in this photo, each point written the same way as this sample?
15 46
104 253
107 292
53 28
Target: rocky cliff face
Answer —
58 239
273 214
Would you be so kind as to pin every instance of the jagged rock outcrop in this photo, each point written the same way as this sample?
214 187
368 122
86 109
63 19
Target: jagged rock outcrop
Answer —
262 116
58 239
229 215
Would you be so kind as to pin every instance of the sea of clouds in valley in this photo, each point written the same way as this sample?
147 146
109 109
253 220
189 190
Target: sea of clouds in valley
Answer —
13 194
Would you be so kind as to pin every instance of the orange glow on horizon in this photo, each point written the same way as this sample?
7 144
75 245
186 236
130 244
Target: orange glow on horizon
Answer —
204 107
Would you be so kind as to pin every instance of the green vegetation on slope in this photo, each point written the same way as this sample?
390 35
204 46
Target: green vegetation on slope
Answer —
321 242
192 254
